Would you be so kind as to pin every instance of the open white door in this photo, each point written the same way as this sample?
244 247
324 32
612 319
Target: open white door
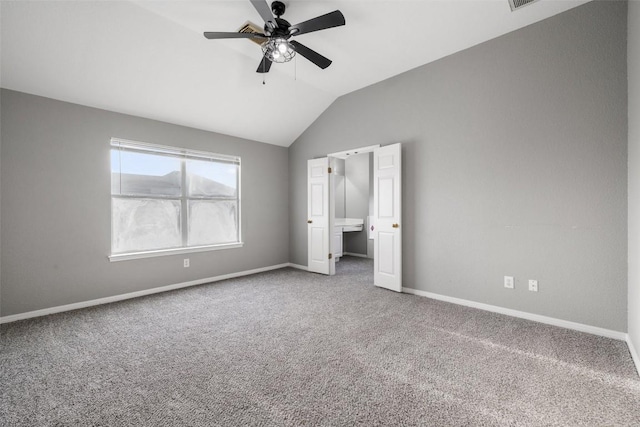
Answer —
387 201
320 217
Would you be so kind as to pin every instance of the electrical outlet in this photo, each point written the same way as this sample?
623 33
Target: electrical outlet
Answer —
509 282
186 262
533 285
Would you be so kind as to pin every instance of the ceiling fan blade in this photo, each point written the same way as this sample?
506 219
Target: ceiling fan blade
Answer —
264 10
330 20
222 35
311 55
265 65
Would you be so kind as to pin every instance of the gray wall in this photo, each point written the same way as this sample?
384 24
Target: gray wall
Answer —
515 163
357 196
634 173
339 189
56 205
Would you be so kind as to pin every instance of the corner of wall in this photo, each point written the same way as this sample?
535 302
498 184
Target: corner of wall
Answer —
633 177
1 92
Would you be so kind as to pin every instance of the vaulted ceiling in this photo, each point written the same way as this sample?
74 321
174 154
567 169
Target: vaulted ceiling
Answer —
150 59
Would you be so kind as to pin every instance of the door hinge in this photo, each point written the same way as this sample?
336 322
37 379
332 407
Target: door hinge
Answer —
330 256
329 170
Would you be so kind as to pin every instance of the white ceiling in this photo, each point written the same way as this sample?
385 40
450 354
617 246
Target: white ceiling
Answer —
150 59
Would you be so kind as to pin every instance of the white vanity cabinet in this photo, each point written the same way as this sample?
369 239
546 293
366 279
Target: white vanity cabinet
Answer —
337 242
344 225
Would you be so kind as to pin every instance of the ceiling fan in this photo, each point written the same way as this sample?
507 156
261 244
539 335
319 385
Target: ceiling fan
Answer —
277 47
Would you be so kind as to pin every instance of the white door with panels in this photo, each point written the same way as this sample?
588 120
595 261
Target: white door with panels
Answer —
320 217
387 201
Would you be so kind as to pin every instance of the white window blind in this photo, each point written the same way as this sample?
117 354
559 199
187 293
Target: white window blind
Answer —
167 199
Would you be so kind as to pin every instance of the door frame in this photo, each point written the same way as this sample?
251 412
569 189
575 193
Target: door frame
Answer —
331 202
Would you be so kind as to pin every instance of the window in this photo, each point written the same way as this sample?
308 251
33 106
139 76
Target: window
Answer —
167 200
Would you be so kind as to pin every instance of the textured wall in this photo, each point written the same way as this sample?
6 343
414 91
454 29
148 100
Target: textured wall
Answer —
56 205
515 163
357 191
634 173
339 184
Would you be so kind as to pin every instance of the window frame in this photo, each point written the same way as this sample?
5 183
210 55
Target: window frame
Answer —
183 154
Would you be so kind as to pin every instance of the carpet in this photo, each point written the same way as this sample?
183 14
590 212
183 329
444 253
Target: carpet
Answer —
290 348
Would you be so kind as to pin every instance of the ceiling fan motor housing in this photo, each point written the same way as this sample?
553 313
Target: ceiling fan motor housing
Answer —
282 30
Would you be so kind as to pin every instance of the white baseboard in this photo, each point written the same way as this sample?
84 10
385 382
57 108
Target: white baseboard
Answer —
354 254
115 298
634 354
524 315
298 266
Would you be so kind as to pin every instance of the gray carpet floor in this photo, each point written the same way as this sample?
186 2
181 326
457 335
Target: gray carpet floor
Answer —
290 348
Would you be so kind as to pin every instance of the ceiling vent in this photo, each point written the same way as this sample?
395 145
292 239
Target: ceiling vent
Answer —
519 4
250 27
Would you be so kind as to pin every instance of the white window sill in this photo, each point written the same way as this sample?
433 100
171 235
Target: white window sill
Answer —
163 252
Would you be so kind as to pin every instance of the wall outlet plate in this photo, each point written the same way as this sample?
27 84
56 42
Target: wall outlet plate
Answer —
186 262
509 282
533 285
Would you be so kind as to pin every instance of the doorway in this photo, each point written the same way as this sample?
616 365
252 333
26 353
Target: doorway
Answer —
354 209
353 200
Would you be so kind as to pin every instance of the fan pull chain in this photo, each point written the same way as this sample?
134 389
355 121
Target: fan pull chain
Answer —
295 68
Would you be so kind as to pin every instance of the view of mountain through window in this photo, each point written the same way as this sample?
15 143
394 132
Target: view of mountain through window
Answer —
169 198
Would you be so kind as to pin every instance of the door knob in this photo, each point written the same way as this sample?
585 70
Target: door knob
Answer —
396 225
309 221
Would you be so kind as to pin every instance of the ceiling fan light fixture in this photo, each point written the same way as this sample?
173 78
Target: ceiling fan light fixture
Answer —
278 31
278 50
